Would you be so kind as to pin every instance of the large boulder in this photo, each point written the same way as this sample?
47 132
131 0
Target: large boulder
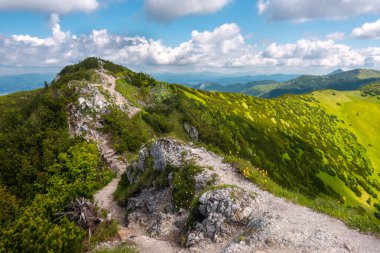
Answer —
191 131
222 209
166 152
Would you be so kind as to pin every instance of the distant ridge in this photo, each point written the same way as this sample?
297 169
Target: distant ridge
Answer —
337 80
14 83
193 79
337 71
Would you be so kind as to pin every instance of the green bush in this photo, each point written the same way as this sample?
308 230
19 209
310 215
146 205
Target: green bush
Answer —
43 169
127 134
158 122
104 232
184 185
9 207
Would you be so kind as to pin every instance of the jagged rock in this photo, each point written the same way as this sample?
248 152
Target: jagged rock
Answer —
234 204
191 131
165 152
222 209
143 156
162 224
205 179
237 248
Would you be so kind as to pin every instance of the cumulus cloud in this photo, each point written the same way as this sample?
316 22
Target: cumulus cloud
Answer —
306 52
222 48
336 36
167 10
367 31
304 10
56 6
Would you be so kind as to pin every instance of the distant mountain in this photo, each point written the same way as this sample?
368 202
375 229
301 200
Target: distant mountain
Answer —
254 88
337 80
210 87
194 79
346 80
14 83
337 71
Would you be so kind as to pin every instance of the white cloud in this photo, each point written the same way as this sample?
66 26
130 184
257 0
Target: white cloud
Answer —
367 31
167 10
306 52
223 48
336 36
56 6
303 10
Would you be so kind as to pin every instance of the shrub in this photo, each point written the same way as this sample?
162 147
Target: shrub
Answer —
127 134
159 122
184 185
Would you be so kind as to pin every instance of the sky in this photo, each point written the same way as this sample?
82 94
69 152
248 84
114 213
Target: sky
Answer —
224 36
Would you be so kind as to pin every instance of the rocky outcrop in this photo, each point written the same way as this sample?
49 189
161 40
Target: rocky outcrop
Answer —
234 204
223 210
167 152
191 131
233 215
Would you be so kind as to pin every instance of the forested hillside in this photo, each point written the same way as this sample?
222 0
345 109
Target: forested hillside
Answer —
42 168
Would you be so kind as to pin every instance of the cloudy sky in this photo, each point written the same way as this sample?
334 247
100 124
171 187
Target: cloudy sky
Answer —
229 36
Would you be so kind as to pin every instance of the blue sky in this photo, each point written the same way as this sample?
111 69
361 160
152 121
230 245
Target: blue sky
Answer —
229 36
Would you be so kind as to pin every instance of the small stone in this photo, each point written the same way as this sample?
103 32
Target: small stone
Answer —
270 241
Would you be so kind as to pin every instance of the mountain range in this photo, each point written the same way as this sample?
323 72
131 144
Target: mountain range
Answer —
192 79
338 80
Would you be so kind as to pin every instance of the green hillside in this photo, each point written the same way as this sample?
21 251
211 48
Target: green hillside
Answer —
368 73
360 114
299 142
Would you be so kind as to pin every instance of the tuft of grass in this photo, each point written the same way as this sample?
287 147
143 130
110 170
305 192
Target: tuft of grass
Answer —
119 249
146 179
129 91
104 232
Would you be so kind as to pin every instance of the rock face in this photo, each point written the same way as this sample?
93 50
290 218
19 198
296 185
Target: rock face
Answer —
222 210
191 131
234 204
167 152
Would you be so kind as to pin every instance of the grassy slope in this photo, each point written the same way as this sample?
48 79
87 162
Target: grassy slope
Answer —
279 133
368 73
361 116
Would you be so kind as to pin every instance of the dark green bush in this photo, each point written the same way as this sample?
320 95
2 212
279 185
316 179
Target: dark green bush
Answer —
127 134
184 185
159 122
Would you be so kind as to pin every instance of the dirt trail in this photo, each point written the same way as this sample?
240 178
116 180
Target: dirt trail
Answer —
109 84
295 225
104 198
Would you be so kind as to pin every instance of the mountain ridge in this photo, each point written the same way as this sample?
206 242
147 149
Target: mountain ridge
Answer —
144 127
339 80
